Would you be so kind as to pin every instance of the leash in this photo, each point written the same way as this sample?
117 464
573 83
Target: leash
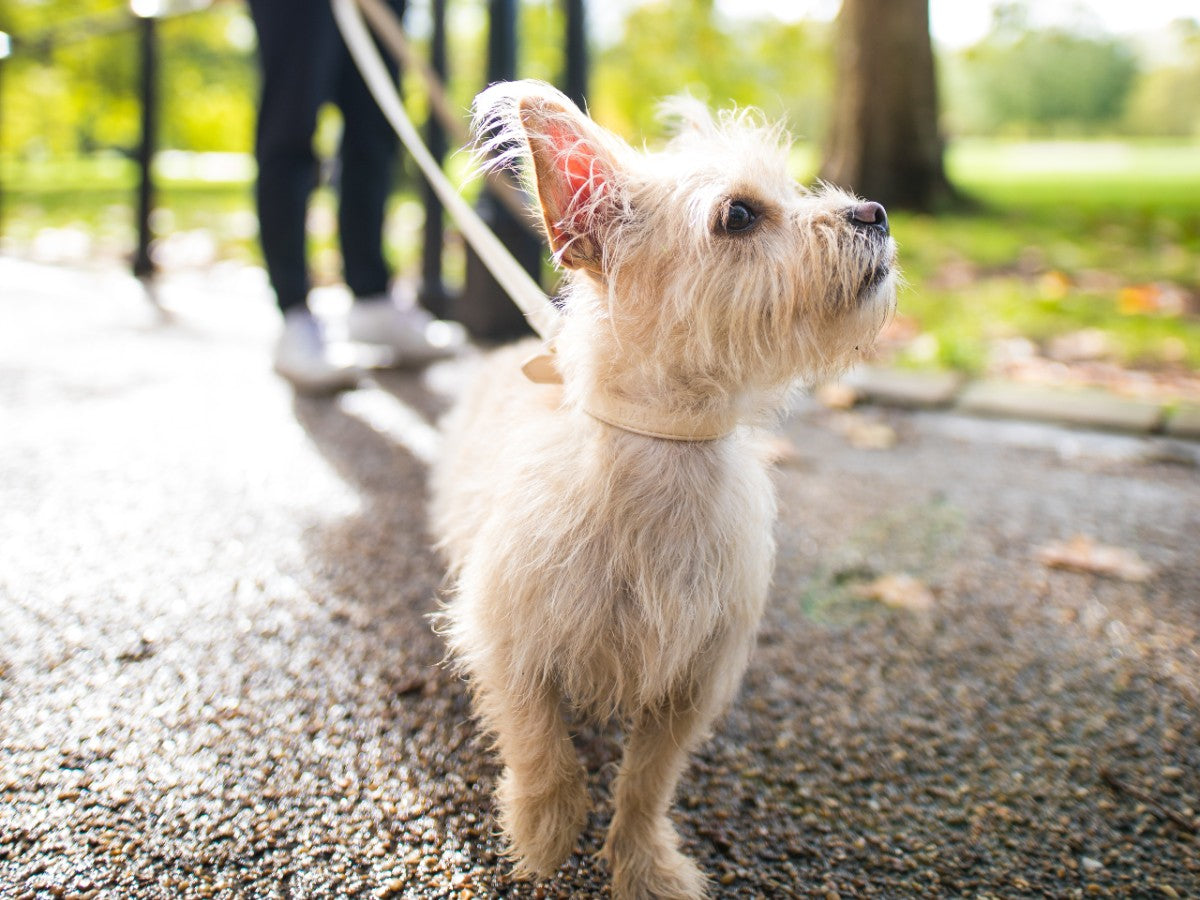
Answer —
509 273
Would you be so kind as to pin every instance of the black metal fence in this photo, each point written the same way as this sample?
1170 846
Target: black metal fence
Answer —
488 314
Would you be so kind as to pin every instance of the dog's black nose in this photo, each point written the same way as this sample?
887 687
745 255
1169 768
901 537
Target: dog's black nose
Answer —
870 215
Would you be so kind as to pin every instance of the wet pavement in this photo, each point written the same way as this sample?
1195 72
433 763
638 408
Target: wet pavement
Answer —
217 678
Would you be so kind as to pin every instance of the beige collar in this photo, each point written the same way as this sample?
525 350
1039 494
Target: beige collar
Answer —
636 418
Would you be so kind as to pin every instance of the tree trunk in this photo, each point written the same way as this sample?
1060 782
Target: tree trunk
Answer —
884 142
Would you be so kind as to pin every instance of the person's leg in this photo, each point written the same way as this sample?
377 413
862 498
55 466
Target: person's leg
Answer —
297 53
367 158
368 155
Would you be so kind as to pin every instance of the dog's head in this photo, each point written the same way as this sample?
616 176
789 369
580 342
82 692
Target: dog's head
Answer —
705 262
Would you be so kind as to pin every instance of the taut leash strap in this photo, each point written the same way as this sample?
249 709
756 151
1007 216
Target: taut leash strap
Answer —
391 34
516 282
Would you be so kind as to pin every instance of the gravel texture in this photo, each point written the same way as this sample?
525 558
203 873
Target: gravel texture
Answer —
217 678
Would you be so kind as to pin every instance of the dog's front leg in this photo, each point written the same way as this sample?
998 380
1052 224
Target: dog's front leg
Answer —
642 846
542 795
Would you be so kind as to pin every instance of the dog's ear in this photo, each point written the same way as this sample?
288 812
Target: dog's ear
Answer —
576 179
574 170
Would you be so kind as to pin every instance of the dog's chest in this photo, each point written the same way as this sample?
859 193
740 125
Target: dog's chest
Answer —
672 511
659 559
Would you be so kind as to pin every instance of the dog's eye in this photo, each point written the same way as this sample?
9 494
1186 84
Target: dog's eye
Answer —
738 217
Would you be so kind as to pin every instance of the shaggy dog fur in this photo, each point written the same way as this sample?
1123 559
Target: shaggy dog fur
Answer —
618 573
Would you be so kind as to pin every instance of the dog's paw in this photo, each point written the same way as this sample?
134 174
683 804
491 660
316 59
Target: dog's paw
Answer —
543 824
672 876
653 869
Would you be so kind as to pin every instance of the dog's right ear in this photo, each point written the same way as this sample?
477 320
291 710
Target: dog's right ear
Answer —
574 168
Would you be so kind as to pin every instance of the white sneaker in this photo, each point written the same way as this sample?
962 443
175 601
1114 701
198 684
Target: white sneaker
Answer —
412 334
304 357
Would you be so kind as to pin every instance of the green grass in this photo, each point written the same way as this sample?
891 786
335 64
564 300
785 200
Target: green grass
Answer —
1062 237
96 196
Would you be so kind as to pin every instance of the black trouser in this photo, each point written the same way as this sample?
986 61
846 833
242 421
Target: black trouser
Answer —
304 64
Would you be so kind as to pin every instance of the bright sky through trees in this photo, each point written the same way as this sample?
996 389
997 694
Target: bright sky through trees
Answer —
956 23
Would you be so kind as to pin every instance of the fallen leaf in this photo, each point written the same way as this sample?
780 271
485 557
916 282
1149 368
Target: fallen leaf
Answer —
1055 285
866 435
1137 299
1083 554
898 591
837 396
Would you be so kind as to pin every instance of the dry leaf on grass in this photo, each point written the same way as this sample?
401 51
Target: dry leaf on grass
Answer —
837 396
1082 554
864 434
899 592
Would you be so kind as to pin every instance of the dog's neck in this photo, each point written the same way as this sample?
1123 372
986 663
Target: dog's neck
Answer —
640 416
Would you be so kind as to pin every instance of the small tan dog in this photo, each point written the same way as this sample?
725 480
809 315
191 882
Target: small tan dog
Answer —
610 537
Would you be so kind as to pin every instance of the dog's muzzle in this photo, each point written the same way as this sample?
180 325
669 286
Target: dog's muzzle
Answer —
869 219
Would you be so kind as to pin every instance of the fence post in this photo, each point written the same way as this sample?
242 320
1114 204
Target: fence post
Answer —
486 310
143 265
576 65
433 292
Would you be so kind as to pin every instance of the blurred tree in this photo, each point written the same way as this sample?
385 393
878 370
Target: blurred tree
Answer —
543 29
685 45
66 84
1165 100
666 48
1023 79
210 83
883 140
71 85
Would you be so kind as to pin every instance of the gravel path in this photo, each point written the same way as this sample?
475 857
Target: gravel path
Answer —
216 676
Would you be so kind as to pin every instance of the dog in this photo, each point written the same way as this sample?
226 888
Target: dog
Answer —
609 537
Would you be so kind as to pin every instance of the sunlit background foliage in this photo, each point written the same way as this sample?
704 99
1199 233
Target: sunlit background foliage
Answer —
71 84
1099 235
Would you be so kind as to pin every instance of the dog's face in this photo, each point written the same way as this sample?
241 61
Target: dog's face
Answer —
745 269
706 257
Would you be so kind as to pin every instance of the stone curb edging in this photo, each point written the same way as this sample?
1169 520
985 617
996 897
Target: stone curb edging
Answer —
1083 407
1184 422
